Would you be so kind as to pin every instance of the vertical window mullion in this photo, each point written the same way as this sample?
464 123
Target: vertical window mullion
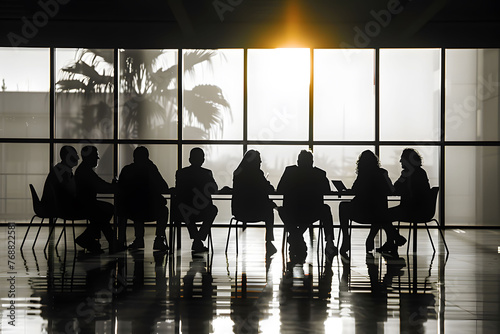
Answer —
116 97
180 94
311 101
377 101
52 105
245 100
442 140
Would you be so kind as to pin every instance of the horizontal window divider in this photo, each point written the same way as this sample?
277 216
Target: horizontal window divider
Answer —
472 143
278 142
242 142
26 140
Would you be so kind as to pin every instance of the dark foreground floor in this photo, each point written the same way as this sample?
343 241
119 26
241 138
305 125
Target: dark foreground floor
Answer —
146 292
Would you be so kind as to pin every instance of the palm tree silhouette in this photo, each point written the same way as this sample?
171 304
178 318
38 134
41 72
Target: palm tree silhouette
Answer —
148 89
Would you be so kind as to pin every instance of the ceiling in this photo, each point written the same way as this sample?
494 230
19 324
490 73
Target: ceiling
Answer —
249 23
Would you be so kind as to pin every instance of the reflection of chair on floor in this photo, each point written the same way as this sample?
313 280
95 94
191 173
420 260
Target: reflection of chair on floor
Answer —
40 212
319 243
427 217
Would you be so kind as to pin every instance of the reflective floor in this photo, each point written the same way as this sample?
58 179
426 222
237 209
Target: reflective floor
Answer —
65 291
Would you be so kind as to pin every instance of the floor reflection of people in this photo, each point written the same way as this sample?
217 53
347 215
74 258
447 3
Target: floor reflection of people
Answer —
369 302
303 306
250 299
147 309
197 303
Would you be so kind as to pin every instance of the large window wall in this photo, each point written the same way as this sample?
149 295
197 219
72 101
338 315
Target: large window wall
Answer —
336 102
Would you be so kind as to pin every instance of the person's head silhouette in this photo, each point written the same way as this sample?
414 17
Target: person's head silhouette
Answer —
196 157
410 159
305 159
251 160
90 155
69 156
367 161
141 154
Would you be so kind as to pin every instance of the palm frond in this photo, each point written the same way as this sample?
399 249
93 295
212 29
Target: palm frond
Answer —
192 58
67 85
205 103
163 78
106 54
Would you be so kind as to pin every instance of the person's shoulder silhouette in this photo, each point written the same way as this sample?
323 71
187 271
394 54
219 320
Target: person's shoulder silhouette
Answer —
195 179
303 184
59 191
141 184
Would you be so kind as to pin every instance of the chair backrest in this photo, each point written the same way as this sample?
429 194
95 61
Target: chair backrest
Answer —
37 204
430 210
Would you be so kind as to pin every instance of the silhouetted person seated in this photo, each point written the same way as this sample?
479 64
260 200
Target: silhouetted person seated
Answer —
99 213
369 206
414 189
303 187
250 200
140 199
59 191
194 186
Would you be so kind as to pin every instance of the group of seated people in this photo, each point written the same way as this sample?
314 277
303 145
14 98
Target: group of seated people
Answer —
140 190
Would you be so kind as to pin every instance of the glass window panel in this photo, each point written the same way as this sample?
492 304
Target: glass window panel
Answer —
278 94
410 94
344 94
213 94
84 93
472 105
163 156
20 166
148 94
472 186
222 160
339 162
24 94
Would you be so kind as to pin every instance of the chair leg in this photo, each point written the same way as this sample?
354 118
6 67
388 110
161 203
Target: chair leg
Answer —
442 236
179 224
51 230
229 233
429 234
38 232
26 234
236 233
409 238
415 238
74 236
60 235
